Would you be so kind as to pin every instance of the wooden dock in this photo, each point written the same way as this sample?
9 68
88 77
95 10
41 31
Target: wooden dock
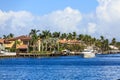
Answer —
8 56
36 55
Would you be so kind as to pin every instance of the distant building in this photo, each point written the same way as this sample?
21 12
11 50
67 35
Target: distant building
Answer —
113 47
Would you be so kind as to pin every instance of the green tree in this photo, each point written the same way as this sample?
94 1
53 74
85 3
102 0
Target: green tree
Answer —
70 36
56 34
113 42
8 36
74 35
35 37
63 36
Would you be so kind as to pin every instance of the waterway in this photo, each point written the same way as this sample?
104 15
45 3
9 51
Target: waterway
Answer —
102 67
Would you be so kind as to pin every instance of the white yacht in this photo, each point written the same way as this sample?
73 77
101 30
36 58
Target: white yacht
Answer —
87 53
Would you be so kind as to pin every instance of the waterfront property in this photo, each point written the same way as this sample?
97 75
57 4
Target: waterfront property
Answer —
20 43
47 42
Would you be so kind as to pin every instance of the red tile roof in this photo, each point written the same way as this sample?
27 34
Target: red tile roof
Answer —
23 38
69 41
22 47
2 41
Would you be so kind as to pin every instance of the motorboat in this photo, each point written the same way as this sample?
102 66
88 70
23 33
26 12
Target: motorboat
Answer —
66 52
87 53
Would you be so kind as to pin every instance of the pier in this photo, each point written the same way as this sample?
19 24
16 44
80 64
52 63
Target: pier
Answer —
34 55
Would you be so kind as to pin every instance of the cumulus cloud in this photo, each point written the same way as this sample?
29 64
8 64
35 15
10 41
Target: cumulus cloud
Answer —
91 28
21 22
103 21
108 17
66 20
15 22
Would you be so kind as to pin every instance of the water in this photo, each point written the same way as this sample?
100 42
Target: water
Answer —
102 67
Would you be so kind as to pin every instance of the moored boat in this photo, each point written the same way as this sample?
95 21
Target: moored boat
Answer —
88 53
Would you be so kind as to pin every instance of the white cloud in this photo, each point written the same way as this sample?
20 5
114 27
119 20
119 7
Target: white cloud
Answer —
108 17
63 20
22 21
15 22
103 21
91 28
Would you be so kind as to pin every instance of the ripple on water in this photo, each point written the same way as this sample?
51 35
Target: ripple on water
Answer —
60 68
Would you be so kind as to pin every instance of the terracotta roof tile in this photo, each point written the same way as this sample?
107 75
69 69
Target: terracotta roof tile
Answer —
22 47
20 37
2 41
69 41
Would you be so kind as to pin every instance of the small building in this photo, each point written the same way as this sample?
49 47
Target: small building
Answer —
113 47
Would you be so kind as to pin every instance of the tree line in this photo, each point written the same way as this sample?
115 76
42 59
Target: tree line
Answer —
49 41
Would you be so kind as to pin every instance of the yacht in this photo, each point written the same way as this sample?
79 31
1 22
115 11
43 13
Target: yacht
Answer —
87 53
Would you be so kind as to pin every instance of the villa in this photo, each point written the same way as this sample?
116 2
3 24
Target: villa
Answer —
20 43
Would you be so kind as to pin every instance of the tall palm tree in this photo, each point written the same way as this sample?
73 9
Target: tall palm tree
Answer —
102 38
34 36
69 36
8 36
63 36
80 37
113 41
5 37
46 34
74 35
56 34
11 35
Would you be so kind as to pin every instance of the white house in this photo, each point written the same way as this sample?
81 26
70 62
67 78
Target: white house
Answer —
113 47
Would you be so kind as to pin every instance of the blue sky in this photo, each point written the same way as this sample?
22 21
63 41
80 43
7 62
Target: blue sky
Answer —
93 17
41 7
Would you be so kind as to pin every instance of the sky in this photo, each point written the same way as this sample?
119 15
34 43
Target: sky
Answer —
93 17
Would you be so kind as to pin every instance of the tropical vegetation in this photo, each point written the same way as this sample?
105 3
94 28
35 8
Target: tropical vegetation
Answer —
49 41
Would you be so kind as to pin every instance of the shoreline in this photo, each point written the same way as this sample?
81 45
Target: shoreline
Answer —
30 55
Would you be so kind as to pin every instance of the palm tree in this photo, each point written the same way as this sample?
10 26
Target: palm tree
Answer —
69 36
45 36
56 34
63 36
8 36
102 38
35 37
113 41
80 37
5 37
11 35
106 45
74 35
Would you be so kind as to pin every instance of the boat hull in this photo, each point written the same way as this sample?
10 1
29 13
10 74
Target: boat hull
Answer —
88 55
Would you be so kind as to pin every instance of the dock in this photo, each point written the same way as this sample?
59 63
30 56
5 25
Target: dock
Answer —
34 55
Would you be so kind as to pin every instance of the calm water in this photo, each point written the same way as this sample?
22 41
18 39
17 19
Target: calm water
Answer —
103 67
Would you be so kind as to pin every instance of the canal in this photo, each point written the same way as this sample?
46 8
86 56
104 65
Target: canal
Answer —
102 67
